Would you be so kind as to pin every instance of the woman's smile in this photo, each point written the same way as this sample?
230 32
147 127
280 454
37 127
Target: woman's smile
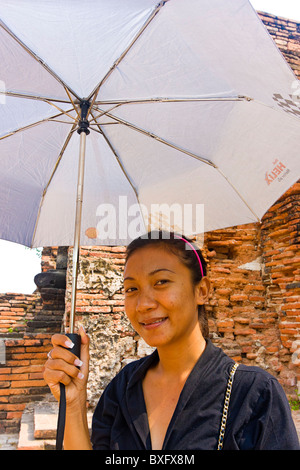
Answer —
153 323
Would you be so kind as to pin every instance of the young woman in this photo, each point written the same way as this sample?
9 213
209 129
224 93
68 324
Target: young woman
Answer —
174 398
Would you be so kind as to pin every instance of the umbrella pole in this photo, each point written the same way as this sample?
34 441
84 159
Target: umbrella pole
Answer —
83 131
75 338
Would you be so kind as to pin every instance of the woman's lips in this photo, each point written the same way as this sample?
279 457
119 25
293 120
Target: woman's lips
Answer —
153 323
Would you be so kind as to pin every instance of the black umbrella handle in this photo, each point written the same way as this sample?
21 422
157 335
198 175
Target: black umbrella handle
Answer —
76 340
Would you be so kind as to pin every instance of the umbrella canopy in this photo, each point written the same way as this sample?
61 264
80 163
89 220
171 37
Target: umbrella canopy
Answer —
189 104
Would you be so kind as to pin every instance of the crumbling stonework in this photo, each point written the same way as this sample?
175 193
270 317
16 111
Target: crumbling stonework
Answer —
16 310
27 323
286 34
21 377
280 243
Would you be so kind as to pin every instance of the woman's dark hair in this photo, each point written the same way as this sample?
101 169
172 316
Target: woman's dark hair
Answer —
184 249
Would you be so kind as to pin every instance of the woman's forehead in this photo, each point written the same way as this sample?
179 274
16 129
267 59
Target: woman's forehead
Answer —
151 258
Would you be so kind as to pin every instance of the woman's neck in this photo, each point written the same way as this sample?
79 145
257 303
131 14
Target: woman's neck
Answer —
179 359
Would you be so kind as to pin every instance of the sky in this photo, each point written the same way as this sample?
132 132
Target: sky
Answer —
286 8
19 265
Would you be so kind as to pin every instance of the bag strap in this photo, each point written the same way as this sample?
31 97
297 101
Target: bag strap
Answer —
61 418
76 340
226 406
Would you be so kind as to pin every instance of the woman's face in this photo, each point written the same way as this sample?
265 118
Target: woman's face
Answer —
161 301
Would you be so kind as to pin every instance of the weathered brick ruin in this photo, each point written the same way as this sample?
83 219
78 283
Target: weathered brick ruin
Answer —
254 309
27 323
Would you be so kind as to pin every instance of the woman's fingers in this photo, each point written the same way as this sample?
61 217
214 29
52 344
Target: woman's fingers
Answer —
60 353
61 340
65 367
54 377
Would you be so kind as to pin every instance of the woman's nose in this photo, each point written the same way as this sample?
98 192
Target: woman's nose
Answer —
145 302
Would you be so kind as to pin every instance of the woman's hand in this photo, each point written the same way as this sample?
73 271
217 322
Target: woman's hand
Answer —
62 366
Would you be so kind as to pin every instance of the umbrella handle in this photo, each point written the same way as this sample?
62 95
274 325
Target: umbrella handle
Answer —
76 340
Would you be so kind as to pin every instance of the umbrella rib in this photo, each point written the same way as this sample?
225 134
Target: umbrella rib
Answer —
159 139
64 112
119 103
105 124
95 93
73 104
36 57
45 100
124 53
237 192
103 113
32 97
117 158
58 120
173 100
31 125
51 177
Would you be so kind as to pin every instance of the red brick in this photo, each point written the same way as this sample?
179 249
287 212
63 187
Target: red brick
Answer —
14 414
256 298
244 331
13 377
238 297
28 383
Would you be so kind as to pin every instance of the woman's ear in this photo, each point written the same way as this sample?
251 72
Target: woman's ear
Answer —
203 291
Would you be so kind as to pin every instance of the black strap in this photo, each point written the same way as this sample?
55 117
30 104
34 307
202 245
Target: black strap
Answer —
61 418
76 339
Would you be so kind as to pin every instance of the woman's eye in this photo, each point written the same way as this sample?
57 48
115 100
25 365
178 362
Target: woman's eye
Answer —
162 282
129 290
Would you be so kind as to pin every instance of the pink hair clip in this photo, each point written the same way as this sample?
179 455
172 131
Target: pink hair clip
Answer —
198 257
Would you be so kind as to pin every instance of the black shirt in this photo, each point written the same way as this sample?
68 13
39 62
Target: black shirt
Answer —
259 413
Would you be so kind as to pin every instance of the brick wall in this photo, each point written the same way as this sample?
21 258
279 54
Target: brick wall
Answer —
27 323
16 310
21 378
286 34
254 308
281 253
48 258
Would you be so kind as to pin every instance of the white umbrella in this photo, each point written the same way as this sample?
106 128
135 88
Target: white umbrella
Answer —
188 102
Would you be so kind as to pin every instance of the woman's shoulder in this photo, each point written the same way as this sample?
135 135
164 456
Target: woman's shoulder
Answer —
244 373
249 381
222 362
250 373
257 382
